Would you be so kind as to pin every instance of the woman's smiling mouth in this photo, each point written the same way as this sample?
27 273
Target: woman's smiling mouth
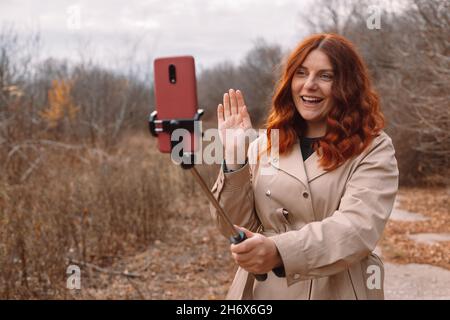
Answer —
311 100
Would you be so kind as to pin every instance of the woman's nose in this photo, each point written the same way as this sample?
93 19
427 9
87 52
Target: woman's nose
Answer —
310 83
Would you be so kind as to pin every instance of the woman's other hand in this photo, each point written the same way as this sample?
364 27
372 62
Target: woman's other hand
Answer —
257 254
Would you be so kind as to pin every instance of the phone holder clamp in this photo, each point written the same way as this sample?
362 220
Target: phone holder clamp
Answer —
170 125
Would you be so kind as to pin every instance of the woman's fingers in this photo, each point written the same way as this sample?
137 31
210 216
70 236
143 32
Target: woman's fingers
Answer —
220 115
240 100
245 117
251 267
233 102
244 257
242 109
226 105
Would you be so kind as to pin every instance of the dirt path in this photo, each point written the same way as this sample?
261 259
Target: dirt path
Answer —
416 281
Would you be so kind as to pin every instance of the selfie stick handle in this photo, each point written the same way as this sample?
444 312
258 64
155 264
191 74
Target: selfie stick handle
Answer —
237 236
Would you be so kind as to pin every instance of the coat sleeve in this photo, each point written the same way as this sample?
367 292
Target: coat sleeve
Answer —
234 192
323 248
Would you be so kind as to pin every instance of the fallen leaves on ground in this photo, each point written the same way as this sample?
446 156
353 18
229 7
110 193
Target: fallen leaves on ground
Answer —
399 248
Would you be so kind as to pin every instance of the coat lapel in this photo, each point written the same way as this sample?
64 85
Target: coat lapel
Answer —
293 164
312 167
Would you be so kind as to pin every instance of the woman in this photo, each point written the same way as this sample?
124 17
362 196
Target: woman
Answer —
319 215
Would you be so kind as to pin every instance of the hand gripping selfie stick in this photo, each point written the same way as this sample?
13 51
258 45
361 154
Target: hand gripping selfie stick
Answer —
168 126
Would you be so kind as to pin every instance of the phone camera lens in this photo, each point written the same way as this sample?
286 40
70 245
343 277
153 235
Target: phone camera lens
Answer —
172 74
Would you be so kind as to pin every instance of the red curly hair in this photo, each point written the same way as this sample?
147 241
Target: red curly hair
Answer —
355 118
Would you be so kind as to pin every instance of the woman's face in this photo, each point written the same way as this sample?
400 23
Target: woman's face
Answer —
311 88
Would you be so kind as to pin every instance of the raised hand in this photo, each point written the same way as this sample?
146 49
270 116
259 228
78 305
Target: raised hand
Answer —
234 126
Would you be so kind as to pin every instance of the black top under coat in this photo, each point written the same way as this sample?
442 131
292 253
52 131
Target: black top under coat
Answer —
307 146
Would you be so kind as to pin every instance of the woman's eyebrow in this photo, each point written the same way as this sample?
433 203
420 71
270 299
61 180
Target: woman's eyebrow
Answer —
322 70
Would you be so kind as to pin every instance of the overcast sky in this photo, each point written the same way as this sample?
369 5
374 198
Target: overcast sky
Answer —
210 30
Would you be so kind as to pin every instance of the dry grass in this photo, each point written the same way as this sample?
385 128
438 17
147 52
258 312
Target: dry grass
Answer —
432 203
80 203
191 261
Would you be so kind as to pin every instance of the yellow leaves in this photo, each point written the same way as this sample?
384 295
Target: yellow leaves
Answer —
60 104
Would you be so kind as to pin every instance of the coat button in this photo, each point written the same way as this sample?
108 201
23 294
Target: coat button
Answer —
275 160
305 194
268 193
296 276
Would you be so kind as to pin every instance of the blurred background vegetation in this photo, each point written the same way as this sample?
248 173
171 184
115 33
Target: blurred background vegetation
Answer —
81 179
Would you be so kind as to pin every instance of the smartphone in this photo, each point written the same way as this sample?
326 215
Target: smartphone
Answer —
175 96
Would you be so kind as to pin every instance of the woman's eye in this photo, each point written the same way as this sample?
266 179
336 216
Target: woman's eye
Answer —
301 72
326 76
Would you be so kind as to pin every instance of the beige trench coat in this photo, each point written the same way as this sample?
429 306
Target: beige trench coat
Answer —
329 227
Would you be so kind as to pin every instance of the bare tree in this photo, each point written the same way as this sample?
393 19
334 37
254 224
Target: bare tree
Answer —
212 83
421 74
259 72
255 76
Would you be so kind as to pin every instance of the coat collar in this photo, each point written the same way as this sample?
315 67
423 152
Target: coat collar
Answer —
293 164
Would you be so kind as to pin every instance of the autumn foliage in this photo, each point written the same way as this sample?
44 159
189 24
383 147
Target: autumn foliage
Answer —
60 104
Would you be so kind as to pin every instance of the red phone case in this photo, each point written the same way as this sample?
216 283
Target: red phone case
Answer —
175 100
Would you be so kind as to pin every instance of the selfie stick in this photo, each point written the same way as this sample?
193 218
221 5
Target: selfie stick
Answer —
168 126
